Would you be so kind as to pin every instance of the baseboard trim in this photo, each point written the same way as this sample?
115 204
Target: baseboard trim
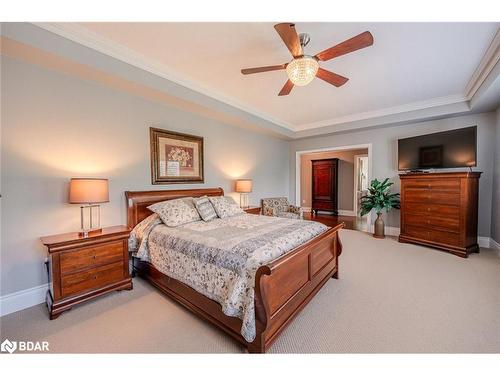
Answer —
389 231
23 299
484 241
494 244
346 213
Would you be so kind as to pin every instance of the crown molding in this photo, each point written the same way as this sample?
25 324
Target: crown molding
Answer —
87 38
486 65
405 108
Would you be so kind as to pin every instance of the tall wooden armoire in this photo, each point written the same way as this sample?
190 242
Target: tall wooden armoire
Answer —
325 185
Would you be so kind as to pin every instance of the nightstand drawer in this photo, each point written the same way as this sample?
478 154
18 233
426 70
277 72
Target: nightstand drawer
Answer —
76 260
91 279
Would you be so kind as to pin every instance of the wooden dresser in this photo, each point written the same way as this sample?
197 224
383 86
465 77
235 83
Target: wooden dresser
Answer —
83 268
325 185
440 210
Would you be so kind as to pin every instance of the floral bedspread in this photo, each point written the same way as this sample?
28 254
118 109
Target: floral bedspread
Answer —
220 258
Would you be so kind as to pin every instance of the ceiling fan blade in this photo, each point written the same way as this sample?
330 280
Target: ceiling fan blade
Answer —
359 41
289 35
286 89
330 77
263 69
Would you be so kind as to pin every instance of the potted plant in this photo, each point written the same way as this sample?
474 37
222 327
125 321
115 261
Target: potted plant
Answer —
379 198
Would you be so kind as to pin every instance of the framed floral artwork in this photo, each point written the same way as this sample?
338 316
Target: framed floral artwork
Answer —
176 158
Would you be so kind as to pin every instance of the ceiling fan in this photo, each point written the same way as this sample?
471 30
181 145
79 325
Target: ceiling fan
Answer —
303 68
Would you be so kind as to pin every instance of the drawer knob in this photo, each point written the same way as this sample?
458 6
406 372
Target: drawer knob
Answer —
94 277
94 256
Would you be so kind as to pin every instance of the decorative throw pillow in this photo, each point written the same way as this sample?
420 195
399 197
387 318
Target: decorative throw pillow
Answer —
176 212
225 206
205 208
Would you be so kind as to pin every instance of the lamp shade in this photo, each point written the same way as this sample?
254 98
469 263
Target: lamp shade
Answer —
88 190
243 186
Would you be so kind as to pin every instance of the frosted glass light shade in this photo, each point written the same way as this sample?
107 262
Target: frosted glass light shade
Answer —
88 190
302 71
243 186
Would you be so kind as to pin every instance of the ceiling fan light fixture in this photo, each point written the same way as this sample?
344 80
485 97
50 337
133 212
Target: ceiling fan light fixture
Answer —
302 70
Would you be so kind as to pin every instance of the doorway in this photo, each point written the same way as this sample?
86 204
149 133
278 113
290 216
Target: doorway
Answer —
354 174
361 181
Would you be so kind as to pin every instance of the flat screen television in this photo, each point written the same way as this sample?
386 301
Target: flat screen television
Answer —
449 149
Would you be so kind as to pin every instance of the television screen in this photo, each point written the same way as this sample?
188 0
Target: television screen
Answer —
450 149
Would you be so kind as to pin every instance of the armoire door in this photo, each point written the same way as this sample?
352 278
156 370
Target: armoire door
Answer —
324 185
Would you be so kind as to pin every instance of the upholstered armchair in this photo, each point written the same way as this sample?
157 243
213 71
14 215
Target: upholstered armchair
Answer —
280 207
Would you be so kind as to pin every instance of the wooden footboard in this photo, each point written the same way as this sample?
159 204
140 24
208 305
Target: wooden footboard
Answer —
285 286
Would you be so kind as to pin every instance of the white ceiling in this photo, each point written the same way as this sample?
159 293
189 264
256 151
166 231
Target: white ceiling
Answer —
409 63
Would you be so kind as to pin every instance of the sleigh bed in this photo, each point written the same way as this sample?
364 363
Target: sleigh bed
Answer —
283 287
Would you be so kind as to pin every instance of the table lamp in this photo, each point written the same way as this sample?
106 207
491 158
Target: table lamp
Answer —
243 187
89 192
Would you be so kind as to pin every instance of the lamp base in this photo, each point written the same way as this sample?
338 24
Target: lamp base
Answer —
90 216
86 233
244 200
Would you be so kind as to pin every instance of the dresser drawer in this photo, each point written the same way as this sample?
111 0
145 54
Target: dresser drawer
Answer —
433 222
449 184
76 260
91 279
433 209
445 238
432 235
416 232
430 196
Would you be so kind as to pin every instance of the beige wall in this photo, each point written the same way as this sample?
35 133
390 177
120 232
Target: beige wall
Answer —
346 176
55 126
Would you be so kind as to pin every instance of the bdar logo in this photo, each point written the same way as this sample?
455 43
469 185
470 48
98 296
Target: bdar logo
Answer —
8 346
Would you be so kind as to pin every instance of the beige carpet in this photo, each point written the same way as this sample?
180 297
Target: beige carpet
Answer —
390 297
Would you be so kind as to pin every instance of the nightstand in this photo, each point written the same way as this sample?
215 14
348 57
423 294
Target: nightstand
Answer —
82 268
252 210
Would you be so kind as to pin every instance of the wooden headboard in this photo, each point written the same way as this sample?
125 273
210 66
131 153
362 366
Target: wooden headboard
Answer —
138 201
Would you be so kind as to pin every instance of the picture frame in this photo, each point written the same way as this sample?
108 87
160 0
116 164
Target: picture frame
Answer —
176 158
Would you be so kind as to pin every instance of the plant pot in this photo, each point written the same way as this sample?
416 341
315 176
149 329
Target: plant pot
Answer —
379 227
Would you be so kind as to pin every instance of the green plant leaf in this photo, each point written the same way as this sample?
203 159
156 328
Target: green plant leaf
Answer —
379 198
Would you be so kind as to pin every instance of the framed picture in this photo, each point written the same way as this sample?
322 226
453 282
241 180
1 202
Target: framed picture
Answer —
176 158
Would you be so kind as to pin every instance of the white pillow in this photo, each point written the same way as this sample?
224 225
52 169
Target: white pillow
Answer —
205 208
225 206
176 212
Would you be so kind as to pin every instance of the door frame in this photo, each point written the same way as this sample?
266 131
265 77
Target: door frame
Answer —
356 170
298 154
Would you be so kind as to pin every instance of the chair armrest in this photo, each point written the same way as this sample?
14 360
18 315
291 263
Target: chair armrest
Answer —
296 210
